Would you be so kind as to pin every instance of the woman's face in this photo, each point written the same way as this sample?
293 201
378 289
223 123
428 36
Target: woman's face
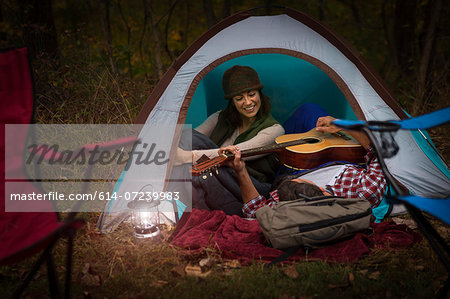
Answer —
248 103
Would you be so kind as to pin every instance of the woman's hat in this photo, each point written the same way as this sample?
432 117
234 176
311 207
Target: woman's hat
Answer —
239 79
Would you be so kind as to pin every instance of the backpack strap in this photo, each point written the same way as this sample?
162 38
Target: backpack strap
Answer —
287 253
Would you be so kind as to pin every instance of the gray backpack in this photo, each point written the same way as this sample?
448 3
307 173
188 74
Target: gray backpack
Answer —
314 222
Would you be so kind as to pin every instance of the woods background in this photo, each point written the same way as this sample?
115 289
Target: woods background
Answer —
97 61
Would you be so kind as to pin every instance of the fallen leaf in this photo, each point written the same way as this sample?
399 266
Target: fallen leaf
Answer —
419 267
196 271
291 271
443 231
158 283
86 268
374 275
206 262
234 264
363 272
351 278
408 222
338 286
178 271
89 276
91 280
193 270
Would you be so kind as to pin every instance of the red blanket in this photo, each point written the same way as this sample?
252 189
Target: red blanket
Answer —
242 239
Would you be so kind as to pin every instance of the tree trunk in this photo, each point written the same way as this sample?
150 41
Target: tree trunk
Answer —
422 75
404 34
166 30
322 14
208 8
186 25
355 12
128 50
144 27
2 34
156 35
226 9
39 32
106 25
268 6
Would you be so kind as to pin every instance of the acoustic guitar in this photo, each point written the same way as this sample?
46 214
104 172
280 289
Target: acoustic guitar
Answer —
297 151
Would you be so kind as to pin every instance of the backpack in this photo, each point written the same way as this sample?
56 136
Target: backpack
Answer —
313 222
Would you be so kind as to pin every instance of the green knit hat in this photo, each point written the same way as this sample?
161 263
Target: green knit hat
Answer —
240 79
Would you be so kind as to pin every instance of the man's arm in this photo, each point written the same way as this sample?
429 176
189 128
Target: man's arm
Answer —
324 124
248 190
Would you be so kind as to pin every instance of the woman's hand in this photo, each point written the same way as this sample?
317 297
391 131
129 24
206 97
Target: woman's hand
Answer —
324 124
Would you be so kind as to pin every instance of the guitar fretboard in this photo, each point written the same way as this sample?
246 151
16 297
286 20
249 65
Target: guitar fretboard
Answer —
276 146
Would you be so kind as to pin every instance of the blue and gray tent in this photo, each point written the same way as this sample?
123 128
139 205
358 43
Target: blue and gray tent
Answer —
299 60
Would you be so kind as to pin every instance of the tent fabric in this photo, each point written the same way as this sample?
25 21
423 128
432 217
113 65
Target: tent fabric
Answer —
242 239
190 91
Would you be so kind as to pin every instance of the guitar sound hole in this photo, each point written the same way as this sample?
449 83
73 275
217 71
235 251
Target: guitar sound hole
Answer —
311 140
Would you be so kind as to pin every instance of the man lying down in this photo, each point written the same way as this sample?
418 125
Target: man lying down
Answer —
348 180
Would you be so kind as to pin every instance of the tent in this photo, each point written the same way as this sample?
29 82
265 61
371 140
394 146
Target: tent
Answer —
299 60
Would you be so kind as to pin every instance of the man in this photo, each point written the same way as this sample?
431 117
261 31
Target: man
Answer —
351 181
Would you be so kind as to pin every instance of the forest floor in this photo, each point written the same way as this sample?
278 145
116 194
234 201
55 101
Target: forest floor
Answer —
117 265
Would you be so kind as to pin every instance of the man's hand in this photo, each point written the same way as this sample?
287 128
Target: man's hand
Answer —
229 148
325 124
248 190
237 163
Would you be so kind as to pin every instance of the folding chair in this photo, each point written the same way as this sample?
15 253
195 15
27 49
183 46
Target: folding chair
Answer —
386 147
26 234
23 235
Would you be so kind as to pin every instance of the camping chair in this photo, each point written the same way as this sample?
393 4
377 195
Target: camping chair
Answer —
386 147
22 235
25 234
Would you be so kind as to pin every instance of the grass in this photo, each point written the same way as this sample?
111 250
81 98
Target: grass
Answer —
119 265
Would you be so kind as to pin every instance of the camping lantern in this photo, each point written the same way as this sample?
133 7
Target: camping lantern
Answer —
145 218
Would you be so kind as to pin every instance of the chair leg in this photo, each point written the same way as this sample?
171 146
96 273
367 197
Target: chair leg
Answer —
445 289
29 277
435 240
69 265
54 287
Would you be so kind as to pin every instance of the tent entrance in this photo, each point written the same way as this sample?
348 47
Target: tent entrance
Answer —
289 81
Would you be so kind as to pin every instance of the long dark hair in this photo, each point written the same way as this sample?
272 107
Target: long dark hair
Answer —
234 116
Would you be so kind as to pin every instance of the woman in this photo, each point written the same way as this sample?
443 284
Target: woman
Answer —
245 123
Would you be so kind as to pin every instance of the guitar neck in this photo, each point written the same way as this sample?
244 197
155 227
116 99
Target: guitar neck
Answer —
340 149
270 148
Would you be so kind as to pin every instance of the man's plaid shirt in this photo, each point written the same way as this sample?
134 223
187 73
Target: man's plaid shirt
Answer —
353 182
